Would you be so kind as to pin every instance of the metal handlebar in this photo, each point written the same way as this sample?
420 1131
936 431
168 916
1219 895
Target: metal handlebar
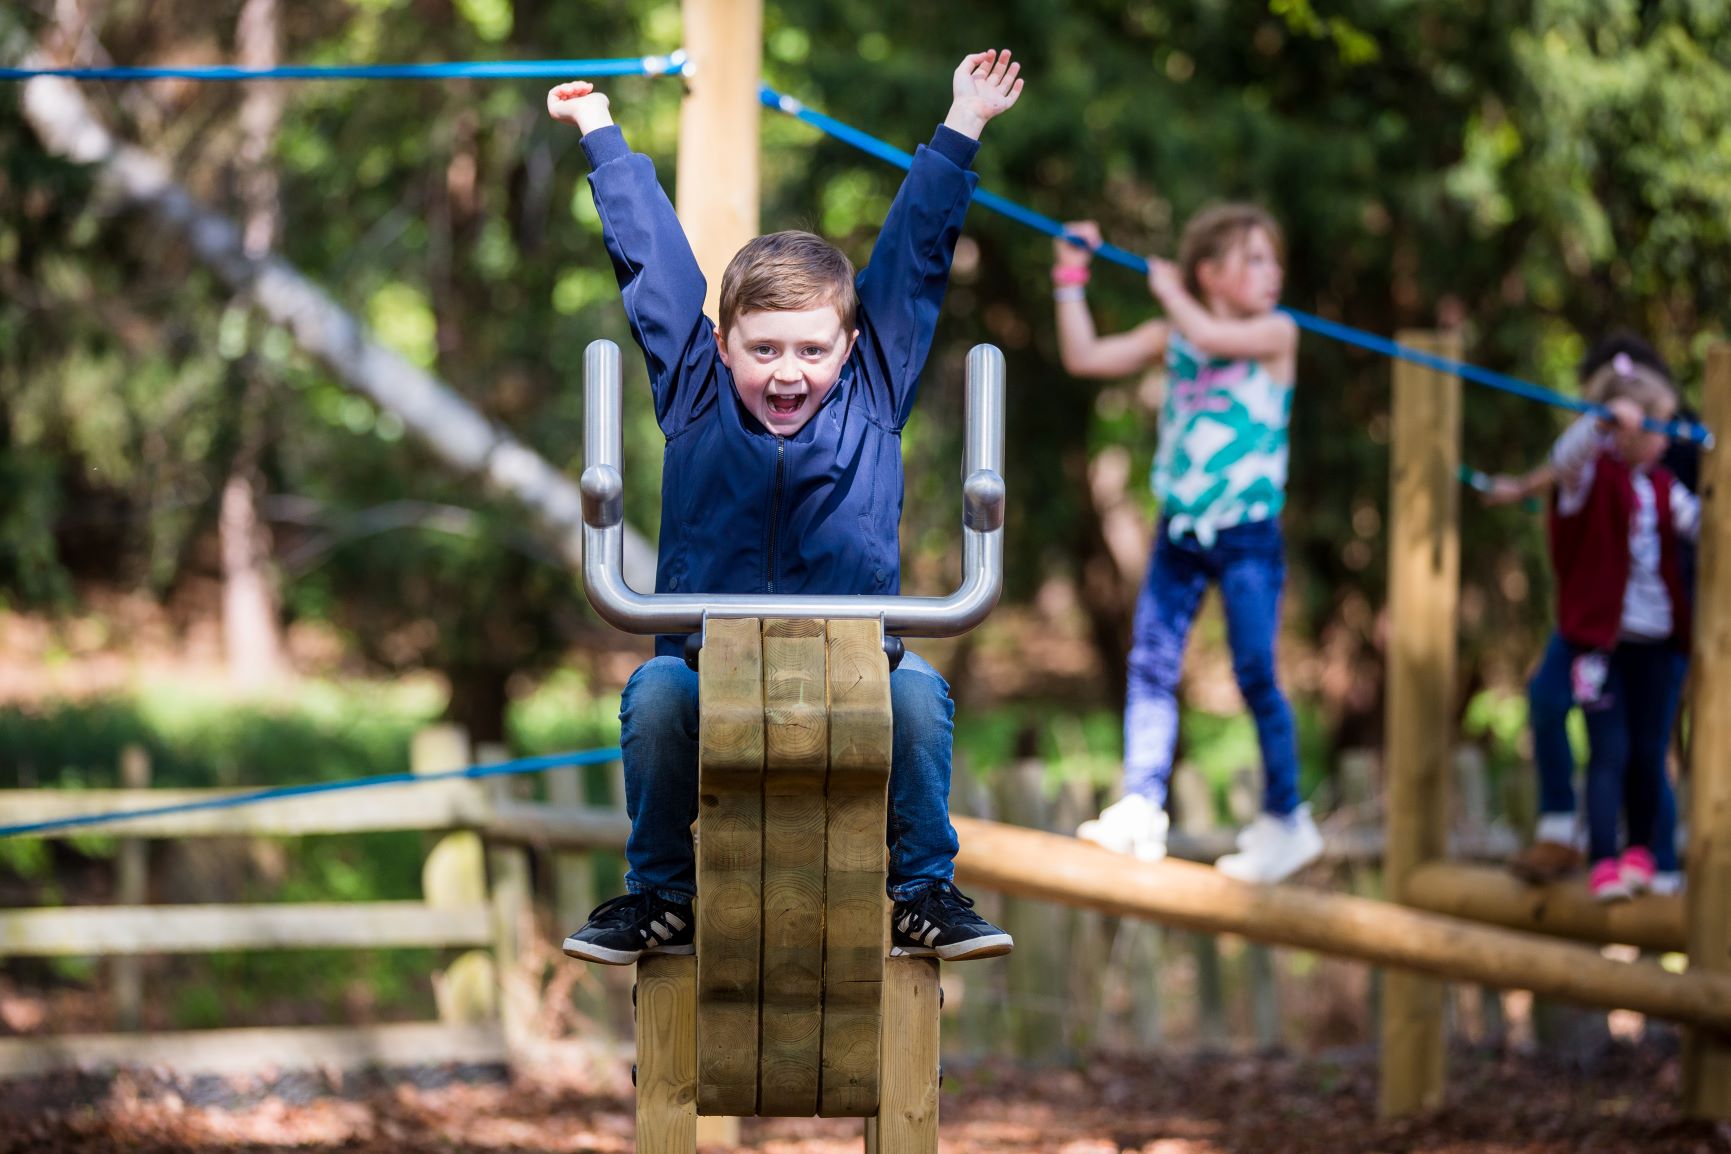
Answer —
604 525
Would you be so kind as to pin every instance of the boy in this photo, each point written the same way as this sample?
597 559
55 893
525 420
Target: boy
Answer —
783 474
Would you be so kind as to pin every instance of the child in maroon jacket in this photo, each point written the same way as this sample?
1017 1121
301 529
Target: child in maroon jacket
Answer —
1615 524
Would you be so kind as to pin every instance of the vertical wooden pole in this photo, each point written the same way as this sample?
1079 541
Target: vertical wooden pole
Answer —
509 895
907 1117
455 876
132 889
1707 1053
716 189
1424 585
666 1070
573 873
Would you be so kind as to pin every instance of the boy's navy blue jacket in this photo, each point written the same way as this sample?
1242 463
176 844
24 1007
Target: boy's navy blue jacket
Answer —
742 509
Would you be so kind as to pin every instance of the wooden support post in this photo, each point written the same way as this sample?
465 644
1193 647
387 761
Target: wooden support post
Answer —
453 876
716 186
729 866
573 872
132 888
860 738
510 897
907 1118
1707 1053
666 1070
796 743
1424 585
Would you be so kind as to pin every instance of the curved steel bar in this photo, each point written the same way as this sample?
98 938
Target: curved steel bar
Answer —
624 607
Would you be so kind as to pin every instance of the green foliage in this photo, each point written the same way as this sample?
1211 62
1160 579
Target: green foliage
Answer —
1541 170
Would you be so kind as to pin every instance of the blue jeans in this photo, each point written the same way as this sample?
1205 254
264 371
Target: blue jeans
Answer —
659 736
1249 564
1550 696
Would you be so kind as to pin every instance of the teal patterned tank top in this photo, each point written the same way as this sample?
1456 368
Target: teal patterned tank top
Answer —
1223 448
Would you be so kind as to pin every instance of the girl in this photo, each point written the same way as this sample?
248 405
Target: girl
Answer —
1558 839
1616 523
1220 475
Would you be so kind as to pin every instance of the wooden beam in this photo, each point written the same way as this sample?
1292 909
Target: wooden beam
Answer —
120 931
132 888
729 866
1707 1054
907 1117
1424 585
432 805
716 186
665 1000
1481 893
796 733
282 1048
1028 863
860 744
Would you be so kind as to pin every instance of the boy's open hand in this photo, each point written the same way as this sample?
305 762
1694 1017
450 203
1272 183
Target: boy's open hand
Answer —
985 84
1065 254
578 103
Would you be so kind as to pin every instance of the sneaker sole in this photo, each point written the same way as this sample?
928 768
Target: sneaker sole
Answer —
601 955
991 946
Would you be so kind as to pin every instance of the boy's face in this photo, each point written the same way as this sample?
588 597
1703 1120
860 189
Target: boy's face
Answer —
784 363
1247 279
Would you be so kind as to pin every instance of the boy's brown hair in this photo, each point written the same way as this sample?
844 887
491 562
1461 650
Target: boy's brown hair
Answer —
1213 232
786 272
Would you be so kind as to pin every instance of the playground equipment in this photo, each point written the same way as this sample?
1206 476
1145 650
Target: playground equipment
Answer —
790 1006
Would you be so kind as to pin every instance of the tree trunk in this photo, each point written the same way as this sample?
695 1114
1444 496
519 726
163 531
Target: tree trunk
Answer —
251 623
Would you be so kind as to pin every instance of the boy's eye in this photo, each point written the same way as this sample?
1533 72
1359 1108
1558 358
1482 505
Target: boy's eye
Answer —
764 350
815 350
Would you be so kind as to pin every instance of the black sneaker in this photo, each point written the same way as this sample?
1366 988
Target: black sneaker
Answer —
625 928
940 922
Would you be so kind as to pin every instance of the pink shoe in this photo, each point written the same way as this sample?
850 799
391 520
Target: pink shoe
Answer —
1606 883
1636 868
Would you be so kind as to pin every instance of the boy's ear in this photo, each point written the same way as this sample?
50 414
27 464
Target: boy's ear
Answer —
851 338
721 346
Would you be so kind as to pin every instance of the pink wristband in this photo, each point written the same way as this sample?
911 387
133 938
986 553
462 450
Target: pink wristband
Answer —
1077 274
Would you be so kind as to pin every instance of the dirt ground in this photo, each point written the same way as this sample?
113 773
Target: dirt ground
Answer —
1623 1102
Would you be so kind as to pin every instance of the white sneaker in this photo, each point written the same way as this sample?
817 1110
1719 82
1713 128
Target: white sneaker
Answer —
1133 825
1666 883
1272 848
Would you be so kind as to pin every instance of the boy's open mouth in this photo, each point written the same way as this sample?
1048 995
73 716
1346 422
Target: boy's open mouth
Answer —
785 405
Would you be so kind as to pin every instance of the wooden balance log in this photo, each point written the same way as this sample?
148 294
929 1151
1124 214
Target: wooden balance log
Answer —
790 1007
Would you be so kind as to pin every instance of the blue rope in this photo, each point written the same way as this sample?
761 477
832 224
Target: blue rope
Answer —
669 65
498 769
1683 430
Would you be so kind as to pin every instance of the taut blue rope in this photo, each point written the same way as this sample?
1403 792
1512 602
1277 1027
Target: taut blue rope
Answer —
1685 430
670 65
252 797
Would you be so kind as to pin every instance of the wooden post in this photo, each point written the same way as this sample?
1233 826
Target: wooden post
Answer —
132 888
729 866
453 876
573 872
860 738
907 1118
716 188
1424 585
666 1070
1707 1053
510 897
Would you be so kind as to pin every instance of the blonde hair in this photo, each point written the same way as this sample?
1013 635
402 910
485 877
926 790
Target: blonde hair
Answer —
1213 232
786 272
1625 377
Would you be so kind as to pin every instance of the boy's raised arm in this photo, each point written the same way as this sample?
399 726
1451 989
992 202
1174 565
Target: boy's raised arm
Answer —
660 282
902 289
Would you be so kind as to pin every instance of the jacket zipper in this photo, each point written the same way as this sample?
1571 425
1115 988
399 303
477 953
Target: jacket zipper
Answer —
775 514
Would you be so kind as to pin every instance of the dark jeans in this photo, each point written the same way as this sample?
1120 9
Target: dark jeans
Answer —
1628 741
658 735
1248 563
